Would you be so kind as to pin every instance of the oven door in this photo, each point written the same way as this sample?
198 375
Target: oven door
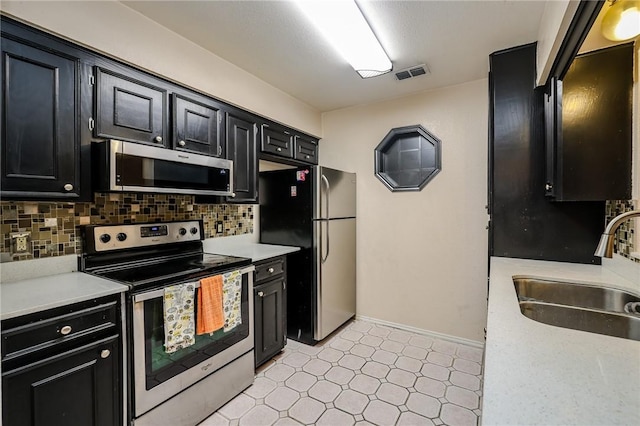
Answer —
158 375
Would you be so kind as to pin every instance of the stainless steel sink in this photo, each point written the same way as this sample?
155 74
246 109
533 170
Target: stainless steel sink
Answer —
574 294
601 310
591 320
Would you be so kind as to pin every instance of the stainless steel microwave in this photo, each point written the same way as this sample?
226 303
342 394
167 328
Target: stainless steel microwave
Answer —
132 167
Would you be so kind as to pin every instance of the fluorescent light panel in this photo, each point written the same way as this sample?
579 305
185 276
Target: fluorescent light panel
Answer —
344 26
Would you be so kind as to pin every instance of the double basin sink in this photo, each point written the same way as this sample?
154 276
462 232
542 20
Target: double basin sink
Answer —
594 309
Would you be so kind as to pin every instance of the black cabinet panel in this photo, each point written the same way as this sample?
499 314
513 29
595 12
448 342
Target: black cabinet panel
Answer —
78 387
593 127
524 222
269 326
277 141
306 149
39 122
242 148
128 109
196 127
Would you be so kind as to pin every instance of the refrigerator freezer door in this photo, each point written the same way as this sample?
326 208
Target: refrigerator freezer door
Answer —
335 243
335 194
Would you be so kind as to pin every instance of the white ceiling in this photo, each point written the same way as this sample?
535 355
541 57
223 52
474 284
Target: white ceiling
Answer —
273 41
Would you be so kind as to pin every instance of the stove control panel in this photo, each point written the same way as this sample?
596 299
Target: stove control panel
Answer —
116 237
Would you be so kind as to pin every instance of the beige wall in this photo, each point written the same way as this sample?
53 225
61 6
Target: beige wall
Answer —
422 256
118 31
554 24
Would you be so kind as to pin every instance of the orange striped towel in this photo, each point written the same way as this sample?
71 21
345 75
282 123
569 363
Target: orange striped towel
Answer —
210 311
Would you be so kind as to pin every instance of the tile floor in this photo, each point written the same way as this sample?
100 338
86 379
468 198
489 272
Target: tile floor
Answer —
364 374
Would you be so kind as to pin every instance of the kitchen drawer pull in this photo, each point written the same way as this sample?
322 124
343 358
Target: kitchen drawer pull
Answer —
158 139
183 143
105 353
270 270
261 293
279 149
65 330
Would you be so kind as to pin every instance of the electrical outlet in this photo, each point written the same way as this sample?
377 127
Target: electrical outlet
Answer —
219 227
20 242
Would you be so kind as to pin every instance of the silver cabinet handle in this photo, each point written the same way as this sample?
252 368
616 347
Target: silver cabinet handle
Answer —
68 187
279 149
548 187
158 139
261 294
65 330
233 195
182 143
271 270
306 156
105 353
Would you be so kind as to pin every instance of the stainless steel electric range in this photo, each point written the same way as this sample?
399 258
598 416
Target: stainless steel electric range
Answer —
185 386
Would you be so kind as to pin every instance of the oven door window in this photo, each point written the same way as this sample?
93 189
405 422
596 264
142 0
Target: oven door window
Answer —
161 366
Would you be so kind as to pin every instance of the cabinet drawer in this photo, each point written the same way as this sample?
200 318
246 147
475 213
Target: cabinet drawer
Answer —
276 141
306 150
270 268
47 332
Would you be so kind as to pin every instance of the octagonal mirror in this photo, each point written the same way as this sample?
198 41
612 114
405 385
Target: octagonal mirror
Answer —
407 158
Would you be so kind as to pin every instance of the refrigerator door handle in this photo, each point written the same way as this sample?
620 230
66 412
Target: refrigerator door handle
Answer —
326 184
325 257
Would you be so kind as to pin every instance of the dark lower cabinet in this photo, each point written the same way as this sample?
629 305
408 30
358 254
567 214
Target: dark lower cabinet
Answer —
40 109
129 109
78 387
242 148
269 308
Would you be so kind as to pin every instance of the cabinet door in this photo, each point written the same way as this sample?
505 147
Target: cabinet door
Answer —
128 109
196 127
78 387
276 141
39 123
242 148
305 149
593 148
269 319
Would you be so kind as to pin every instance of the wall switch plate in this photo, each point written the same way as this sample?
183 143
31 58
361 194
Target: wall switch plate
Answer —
20 243
219 227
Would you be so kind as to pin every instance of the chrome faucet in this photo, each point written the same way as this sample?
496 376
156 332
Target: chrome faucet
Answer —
605 246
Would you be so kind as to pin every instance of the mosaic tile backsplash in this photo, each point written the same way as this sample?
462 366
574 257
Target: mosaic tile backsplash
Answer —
54 227
626 241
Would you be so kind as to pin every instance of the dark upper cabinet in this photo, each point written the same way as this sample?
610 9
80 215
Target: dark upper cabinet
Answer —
305 149
276 140
40 113
196 126
242 149
129 109
589 126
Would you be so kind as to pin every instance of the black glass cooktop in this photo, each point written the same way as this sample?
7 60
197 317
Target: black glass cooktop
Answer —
163 271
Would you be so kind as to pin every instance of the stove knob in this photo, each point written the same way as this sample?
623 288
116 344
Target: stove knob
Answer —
182 231
105 238
121 236
194 230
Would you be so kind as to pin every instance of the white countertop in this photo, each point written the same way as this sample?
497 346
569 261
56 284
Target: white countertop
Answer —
235 246
39 294
537 374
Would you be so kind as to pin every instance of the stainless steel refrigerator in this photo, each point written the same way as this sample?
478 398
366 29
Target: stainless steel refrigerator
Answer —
313 208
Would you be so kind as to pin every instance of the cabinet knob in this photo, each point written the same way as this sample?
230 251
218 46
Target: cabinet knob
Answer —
306 156
548 187
182 143
279 149
261 294
65 330
233 195
105 353
270 270
68 187
158 139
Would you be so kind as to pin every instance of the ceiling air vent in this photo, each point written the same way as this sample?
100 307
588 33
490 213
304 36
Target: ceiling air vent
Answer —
413 71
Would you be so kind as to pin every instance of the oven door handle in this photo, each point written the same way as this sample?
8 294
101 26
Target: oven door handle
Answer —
160 292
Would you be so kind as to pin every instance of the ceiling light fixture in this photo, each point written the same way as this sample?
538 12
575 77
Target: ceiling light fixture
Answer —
622 20
343 25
